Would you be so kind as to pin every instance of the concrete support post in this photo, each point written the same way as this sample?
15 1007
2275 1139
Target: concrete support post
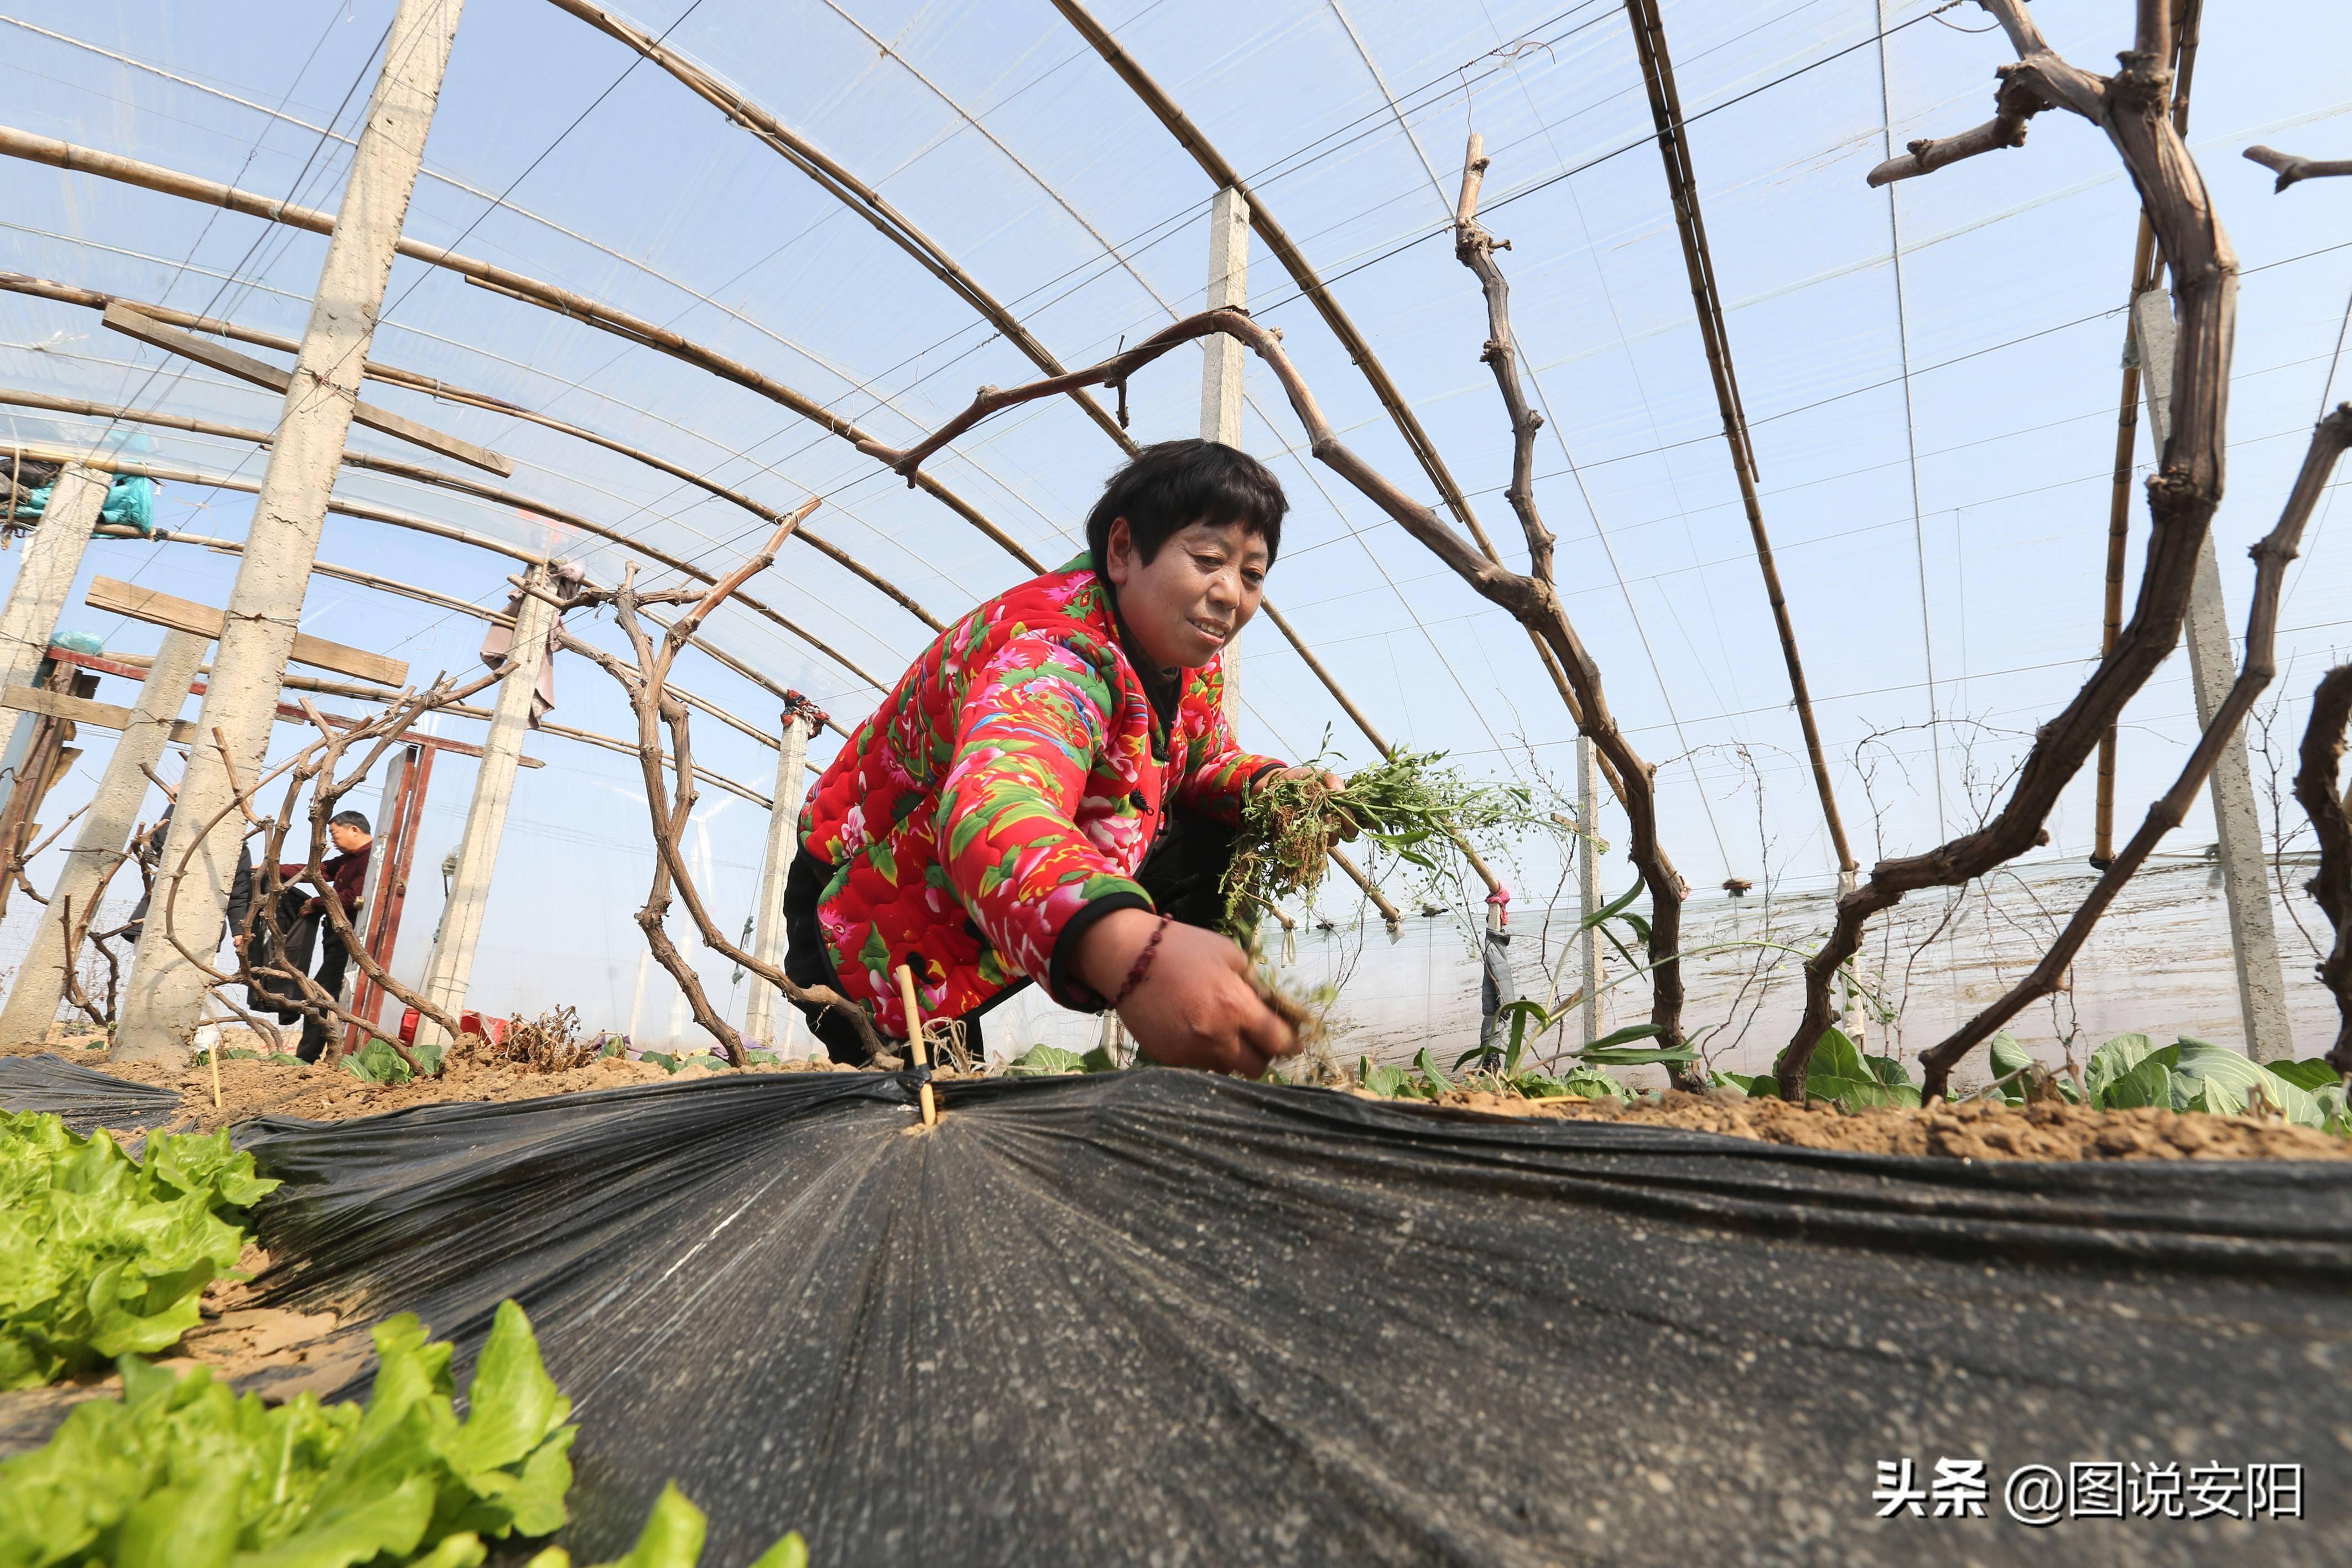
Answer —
2212 666
52 558
106 829
783 842
452 969
1588 897
1223 359
166 992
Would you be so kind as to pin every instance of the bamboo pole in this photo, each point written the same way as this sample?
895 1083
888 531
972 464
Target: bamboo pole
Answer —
2145 262
2120 499
915 1042
513 285
444 391
1682 183
368 512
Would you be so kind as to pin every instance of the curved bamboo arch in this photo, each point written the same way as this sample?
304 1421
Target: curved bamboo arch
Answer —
368 512
496 618
845 188
449 391
400 468
501 280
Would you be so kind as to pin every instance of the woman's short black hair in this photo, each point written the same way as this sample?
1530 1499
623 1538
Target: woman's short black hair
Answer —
350 820
1172 485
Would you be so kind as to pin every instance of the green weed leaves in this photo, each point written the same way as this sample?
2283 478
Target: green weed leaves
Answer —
107 1257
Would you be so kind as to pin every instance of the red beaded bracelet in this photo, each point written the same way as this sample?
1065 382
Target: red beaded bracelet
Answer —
1142 962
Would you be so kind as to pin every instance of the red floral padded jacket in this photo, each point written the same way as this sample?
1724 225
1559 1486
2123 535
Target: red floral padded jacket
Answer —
1009 785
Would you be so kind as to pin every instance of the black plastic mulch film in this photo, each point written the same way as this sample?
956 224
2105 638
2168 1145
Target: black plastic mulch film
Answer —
1162 1318
80 1098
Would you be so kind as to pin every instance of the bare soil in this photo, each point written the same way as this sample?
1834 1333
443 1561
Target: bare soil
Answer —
279 1085
1978 1130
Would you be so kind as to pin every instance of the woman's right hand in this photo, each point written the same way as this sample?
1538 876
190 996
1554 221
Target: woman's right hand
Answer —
1195 1006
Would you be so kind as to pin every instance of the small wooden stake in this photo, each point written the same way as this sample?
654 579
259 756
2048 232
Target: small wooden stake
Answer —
915 1040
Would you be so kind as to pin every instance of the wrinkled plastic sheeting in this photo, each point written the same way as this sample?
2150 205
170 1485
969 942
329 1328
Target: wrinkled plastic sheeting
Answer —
1157 1317
80 1098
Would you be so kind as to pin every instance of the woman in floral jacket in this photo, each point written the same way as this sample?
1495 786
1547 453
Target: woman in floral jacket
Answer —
1050 792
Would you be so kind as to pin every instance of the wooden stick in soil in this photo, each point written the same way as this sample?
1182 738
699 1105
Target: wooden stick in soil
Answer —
2270 557
2331 821
2130 108
1531 599
915 1041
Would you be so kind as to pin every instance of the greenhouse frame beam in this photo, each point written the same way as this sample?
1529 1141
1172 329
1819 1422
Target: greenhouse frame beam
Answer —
15 143
447 392
434 477
1682 184
847 189
458 606
364 512
1277 239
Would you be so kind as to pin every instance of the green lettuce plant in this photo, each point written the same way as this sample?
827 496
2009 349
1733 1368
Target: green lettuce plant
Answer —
106 1255
179 1473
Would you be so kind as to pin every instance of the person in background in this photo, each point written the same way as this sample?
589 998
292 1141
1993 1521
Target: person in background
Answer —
1050 795
302 916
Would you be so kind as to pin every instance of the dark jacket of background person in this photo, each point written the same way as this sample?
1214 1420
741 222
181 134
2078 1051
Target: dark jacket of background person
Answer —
347 873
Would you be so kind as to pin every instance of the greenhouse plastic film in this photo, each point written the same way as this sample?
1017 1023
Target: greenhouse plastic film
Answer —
1156 1317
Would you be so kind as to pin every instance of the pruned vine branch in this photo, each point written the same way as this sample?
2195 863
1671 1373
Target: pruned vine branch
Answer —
2291 169
2277 549
2316 791
2131 107
1475 248
669 800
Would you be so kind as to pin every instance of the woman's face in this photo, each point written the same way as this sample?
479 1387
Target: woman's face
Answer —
1193 597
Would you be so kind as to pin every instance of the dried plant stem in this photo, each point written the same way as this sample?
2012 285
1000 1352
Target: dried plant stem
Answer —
671 792
2291 169
2131 107
2270 557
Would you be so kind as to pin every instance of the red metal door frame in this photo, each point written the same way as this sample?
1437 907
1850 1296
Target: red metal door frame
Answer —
398 844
